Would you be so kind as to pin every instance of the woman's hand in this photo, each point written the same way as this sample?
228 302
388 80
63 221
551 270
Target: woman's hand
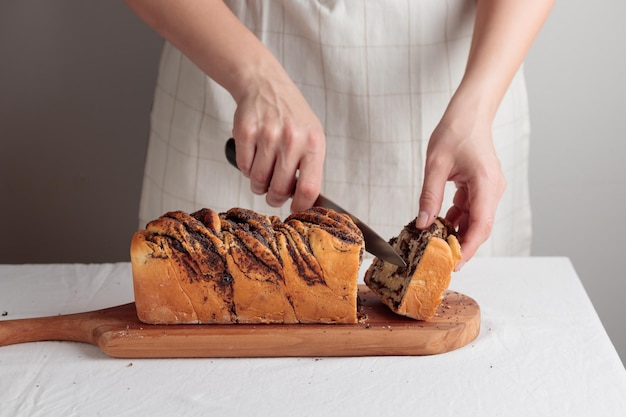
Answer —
461 150
279 139
277 134
461 147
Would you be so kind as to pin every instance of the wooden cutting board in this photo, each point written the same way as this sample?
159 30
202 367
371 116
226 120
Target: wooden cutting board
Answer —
119 333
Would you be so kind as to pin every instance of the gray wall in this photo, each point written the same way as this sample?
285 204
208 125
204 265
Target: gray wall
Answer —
576 74
76 83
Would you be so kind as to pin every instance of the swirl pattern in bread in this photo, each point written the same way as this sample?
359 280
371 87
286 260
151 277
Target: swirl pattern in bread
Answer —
244 267
416 290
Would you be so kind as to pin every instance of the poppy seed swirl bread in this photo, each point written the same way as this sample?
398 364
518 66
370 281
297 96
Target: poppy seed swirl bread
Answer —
244 267
417 290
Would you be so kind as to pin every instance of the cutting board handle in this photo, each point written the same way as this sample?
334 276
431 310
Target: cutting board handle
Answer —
79 327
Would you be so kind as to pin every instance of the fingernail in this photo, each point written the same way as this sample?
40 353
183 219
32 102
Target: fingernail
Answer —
422 219
274 202
459 265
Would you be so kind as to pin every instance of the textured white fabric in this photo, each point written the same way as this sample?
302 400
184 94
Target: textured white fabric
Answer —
539 353
378 74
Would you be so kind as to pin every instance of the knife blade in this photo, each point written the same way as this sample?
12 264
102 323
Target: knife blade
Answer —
374 244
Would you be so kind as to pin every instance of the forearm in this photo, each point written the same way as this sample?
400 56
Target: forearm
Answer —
503 33
208 33
278 136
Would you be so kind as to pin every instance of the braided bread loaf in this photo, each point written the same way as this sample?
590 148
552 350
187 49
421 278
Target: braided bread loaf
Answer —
245 267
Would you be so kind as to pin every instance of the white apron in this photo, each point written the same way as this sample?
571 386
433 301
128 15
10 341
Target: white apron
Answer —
378 74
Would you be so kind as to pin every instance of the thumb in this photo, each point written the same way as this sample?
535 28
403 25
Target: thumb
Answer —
431 197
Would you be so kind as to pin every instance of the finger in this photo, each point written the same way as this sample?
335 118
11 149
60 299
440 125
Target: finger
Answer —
473 234
454 215
261 172
475 228
255 155
435 179
283 179
457 216
263 162
309 180
459 207
245 149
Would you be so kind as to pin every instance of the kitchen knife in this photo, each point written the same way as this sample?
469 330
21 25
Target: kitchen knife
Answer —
374 244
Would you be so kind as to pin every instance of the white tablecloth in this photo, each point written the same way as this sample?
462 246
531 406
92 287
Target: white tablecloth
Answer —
541 351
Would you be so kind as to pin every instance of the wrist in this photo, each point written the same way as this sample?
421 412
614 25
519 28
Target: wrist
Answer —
252 74
476 99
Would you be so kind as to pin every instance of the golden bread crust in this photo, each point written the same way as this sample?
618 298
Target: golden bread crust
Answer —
431 278
327 294
243 267
166 292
